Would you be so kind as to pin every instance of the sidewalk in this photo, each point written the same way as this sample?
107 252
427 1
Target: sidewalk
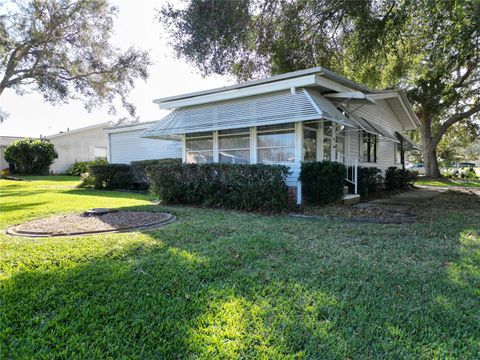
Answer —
405 201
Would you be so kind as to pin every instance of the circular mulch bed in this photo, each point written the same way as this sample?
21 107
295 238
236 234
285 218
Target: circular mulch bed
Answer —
92 223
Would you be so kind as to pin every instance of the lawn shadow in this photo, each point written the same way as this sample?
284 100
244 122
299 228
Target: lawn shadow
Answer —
219 284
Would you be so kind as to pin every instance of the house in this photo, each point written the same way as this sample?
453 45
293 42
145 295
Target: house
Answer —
6 141
84 144
125 144
309 115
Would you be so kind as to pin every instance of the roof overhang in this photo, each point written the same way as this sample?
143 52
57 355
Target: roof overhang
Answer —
407 144
398 102
76 131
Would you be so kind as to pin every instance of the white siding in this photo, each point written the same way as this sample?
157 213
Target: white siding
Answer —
380 114
128 146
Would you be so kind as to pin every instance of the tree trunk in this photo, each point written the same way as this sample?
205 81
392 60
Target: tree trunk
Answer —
429 148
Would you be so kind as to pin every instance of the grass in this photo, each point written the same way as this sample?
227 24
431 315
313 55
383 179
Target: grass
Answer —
221 284
448 182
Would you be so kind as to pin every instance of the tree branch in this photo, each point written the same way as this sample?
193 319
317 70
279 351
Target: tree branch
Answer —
453 120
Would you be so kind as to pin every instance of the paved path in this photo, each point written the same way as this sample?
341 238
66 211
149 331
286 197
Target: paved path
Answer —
405 201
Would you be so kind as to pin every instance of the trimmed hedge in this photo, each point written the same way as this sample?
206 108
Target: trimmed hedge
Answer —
399 178
322 181
369 179
234 186
139 169
112 176
81 167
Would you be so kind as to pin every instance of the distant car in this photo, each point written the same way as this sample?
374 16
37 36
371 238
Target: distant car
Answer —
419 167
466 165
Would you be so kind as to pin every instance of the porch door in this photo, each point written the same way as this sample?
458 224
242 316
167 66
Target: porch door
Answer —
333 142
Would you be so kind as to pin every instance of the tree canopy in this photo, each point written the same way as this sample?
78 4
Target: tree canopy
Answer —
62 49
429 48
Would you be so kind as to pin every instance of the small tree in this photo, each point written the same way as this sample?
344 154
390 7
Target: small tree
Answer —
31 156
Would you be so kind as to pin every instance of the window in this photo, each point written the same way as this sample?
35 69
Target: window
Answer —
397 153
199 148
276 144
310 142
327 140
340 144
368 145
100 153
234 146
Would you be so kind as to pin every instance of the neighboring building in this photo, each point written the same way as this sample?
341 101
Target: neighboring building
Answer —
5 141
84 144
126 145
308 115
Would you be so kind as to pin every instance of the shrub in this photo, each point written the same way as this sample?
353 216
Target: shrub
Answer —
234 186
139 169
81 167
31 156
399 178
369 178
322 181
112 176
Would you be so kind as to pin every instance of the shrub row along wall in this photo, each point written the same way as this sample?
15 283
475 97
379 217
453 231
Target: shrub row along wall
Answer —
399 178
122 176
322 181
233 186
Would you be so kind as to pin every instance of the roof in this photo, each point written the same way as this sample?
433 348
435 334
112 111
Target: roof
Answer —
327 82
129 127
75 131
266 109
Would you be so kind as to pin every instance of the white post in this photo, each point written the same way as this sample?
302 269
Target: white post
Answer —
320 141
299 156
253 145
216 156
355 166
184 149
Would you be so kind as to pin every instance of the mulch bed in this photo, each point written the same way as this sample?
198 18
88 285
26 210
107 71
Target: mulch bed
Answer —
79 224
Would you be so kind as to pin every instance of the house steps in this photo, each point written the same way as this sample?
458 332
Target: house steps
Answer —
350 199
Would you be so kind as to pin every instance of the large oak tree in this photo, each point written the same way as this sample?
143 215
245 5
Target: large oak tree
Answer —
63 49
429 48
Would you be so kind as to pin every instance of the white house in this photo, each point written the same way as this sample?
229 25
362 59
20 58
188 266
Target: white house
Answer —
313 114
125 144
84 144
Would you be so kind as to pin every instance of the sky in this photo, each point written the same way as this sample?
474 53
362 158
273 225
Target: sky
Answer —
135 25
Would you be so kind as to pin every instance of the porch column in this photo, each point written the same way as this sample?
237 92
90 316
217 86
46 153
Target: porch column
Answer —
299 156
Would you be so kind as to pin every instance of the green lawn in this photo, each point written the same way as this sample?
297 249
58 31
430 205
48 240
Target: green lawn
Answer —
220 284
448 182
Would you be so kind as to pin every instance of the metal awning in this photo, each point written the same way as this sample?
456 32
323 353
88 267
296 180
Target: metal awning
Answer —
268 109
373 128
407 144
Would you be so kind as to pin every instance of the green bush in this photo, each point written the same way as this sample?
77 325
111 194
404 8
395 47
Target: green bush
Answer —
139 169
112 176
31 156
369 179
81 167
322 181
399 178
244 187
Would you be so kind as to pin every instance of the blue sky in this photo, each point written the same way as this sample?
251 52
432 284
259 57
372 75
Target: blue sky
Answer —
135 25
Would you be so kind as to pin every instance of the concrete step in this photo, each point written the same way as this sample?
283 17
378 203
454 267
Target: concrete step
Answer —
350 199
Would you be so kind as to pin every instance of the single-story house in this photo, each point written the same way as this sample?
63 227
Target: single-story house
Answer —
84 144
125 144
309 115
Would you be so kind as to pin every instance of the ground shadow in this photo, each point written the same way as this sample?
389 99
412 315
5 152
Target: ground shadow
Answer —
221 284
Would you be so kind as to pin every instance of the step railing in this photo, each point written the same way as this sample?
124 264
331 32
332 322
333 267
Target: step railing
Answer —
352 172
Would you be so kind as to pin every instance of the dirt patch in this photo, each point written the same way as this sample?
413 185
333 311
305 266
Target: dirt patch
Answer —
80 224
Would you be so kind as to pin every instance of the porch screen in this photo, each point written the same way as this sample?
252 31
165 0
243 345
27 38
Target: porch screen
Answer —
276 144
234 146
199 148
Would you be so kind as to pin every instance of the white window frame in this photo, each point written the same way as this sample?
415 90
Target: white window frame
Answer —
232 134
192 136
295 146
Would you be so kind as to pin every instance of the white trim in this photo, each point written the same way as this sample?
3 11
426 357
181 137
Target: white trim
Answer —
184 149
320 141
253 145
216 156
132 127
75 131
308 80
